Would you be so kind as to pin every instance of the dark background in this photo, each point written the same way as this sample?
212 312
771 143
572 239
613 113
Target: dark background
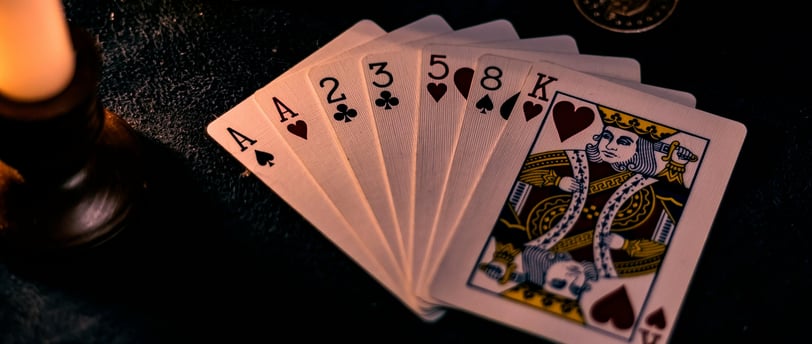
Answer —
219 257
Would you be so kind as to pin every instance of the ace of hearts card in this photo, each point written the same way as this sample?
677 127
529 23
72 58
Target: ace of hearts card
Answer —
591 213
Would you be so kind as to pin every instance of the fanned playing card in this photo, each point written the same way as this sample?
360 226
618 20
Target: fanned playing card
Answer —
592 212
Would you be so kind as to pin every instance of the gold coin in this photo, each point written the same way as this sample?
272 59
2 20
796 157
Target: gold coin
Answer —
627 16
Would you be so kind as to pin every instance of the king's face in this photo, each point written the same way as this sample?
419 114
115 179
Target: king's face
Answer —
617 145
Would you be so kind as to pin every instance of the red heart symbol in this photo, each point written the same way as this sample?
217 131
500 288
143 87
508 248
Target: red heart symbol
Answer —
531 110
299 129
569 121
656 319
614 307
436 90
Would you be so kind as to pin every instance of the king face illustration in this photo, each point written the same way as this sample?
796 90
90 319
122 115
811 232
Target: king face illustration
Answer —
606 210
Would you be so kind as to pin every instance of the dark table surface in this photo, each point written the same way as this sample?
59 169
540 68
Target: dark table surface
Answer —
220 257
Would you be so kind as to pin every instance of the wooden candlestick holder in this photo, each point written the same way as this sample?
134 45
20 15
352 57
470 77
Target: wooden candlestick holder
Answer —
71 177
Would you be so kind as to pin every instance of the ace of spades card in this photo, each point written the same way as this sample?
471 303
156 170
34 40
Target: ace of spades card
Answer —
591 213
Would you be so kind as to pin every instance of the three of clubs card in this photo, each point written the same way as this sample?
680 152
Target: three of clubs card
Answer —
512 178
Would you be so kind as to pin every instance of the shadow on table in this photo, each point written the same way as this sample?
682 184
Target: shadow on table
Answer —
173 271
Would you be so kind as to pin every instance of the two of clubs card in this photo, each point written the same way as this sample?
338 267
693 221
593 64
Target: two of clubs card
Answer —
513 178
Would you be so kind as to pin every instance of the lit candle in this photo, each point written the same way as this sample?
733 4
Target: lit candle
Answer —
37 59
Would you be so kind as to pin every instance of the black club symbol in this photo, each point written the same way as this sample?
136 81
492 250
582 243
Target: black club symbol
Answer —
344 113
386 100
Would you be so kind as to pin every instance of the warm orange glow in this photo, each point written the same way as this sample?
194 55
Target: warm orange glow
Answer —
37 59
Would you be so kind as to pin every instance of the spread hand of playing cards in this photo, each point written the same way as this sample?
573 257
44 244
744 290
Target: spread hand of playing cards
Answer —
512 178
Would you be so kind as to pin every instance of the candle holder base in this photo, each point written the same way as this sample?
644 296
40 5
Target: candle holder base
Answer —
87 209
